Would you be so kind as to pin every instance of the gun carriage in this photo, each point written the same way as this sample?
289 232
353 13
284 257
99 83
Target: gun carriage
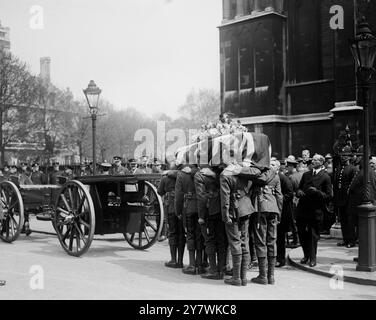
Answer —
87 206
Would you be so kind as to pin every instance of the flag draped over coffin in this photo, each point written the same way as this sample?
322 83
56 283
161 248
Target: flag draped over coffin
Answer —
227 148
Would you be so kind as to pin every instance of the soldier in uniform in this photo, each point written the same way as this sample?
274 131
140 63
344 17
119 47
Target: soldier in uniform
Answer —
315 190
236 207
133 165
186 209
56 173
268 199
176 234
212 227
343 178
118 169
25 175
37 176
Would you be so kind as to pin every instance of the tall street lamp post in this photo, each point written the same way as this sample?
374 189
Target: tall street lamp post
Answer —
363 48
92 93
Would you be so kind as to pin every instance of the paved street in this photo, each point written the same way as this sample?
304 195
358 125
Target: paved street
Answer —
113 270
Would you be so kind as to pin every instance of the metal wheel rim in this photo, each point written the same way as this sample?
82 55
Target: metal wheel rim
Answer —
13 212
74 218
142 240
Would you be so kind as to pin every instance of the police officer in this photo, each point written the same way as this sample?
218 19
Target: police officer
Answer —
210 219
132 165
119 169
344 175
235 189
267 198
186 209
176 234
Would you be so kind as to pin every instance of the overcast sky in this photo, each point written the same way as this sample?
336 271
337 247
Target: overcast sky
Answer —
146 54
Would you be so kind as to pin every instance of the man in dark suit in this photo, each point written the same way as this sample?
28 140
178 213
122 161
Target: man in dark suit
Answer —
315 190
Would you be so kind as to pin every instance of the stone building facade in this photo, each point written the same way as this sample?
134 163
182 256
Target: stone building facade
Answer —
285 72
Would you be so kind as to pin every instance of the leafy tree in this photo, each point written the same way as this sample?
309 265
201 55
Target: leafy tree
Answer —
18 96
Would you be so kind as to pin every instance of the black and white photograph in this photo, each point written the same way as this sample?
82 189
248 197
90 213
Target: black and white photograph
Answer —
187 155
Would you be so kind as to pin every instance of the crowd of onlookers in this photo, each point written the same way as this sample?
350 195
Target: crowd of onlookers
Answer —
33 173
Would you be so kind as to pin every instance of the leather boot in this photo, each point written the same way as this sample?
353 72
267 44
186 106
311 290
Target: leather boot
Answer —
199 263
172 263
213 273
261 279
222 264
271 265
181 249
244 267
205 261
236 265
191 269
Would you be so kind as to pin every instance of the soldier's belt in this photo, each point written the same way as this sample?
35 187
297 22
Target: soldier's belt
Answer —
265 190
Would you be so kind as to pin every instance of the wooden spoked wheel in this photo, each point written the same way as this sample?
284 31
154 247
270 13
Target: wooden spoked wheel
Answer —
74 218
151 220
11 212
